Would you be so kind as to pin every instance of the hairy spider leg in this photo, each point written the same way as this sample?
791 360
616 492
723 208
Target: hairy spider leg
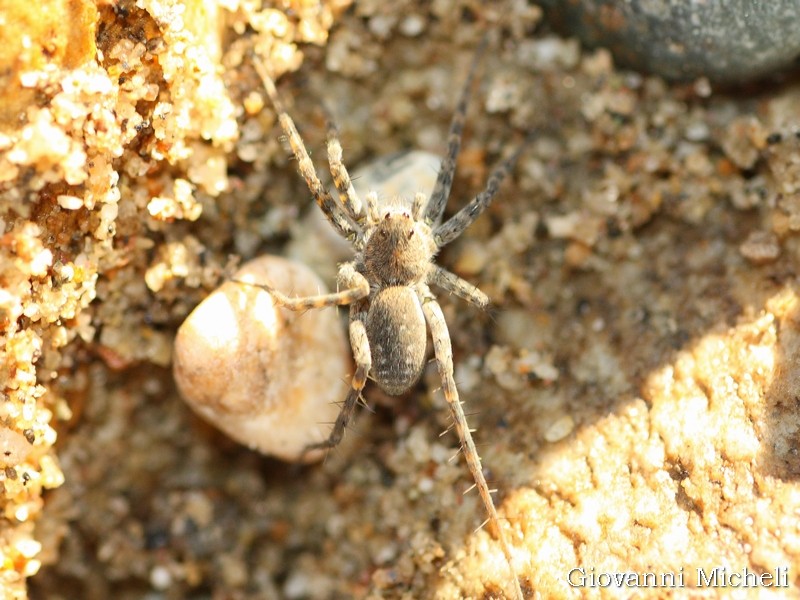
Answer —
455 225
355 284
341 221
363 358
443 352
341 178
444 181
452 283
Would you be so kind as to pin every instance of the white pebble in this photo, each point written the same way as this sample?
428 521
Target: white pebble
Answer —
412 25
560 429
268 377
160 578
425 485
14 448
69 202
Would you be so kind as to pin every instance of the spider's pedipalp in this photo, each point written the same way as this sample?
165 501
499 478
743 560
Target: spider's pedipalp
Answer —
342 222
444 181
444 361
455 285
419 205
455 225
372 207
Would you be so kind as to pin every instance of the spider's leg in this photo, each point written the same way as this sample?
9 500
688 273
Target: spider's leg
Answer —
341 178
444 361
455 225
337 216
355 284
363 358
455 285
444 181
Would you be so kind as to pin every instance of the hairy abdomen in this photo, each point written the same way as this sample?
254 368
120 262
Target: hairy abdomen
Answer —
397 337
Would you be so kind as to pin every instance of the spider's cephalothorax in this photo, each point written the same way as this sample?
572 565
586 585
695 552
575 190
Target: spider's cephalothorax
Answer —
387 285
398 250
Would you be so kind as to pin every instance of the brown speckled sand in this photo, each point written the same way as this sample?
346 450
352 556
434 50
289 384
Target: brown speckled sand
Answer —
634 388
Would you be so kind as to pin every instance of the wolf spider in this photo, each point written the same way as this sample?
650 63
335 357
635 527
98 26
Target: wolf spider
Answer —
387 285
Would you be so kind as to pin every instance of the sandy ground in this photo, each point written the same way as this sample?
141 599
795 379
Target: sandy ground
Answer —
634 387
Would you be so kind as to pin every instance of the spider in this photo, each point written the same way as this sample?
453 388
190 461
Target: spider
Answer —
387 285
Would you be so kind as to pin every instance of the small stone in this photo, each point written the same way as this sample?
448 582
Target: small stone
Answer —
724 41
69 202
560 429
160 578
742 141
760 247
268 377
412 25
14 448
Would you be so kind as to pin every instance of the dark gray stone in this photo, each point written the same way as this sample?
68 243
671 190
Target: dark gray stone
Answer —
725 40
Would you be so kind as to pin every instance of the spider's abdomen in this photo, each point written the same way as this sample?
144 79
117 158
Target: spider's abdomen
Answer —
397 337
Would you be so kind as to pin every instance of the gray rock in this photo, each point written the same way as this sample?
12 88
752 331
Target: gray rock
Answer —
727 41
